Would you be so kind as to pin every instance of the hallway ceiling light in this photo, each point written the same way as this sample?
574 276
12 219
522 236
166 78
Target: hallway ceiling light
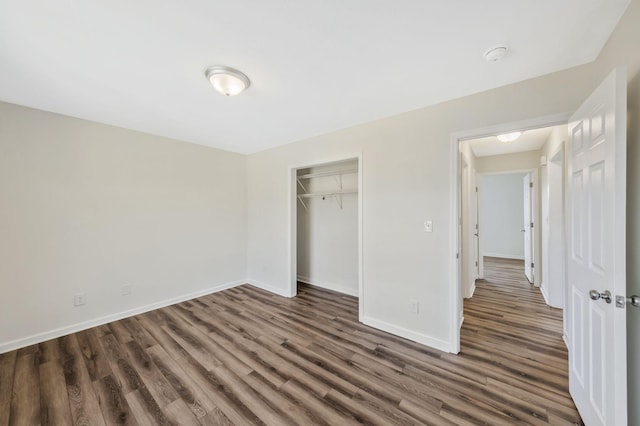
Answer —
509 137
228 81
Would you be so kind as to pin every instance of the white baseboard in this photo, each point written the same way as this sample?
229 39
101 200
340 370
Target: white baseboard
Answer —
545 294
439 344
63 331
473 290
270 288
565 340
461 320
504 256
329 286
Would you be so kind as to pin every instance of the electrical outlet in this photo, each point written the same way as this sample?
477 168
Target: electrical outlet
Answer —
415 307
428 225
126 289
80 299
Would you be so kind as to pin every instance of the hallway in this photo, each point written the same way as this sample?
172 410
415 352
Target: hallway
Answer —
509 328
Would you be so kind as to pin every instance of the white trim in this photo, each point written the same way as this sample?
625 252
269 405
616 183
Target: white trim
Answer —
74 328
461 318
529 124
454 191
504 256
293 238
271 289
433 342
329 286
565 340
545 294
455 248
473 290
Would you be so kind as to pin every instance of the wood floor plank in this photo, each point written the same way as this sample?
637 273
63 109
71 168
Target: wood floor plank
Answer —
7 370
293 407
157 384
190 393
48 351
54 400
113 404
83 400
246 356
93 354
178 413
25 400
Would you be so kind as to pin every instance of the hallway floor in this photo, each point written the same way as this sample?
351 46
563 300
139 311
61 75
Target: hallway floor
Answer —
509 327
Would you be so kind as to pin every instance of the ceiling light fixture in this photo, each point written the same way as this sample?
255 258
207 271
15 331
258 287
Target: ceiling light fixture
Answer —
227 81
509 137
496 53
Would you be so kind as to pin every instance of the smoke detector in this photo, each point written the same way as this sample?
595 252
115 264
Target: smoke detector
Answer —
495 53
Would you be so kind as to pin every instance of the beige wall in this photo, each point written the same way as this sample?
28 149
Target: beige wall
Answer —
86 207
406 173
508 162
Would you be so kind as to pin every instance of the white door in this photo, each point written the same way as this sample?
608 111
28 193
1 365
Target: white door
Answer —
526 228
596 254
476 227
544 228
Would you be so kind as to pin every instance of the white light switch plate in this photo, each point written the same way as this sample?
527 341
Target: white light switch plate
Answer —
428 226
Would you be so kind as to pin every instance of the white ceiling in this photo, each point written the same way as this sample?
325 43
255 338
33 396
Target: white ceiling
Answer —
530 140
315 66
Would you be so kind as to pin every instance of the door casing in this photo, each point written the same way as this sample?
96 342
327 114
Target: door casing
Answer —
454 242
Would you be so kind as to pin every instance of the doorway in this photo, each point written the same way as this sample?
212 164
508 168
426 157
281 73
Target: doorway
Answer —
489 156
507 204
326 226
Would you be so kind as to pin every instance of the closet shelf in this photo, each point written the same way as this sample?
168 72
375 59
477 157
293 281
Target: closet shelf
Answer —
323 174
325 194
337 194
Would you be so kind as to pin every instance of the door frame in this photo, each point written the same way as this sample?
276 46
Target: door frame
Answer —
454 191
293 222
555 172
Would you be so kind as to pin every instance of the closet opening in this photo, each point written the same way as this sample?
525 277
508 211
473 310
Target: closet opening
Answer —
326 227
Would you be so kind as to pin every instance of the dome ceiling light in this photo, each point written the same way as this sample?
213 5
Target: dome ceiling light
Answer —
226 80
509 137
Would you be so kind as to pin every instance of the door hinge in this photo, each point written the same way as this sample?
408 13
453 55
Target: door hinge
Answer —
530 184
476 189
457 255
532 264
532 224
476 263
476 226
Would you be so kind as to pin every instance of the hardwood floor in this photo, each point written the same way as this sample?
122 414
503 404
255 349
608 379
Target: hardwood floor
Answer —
245 356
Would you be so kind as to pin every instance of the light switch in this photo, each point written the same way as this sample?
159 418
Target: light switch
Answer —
428 226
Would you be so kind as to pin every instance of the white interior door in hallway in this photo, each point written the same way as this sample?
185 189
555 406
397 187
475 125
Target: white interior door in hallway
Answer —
596 258
527 226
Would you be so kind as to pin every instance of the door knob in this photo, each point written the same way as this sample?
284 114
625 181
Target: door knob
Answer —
595 295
